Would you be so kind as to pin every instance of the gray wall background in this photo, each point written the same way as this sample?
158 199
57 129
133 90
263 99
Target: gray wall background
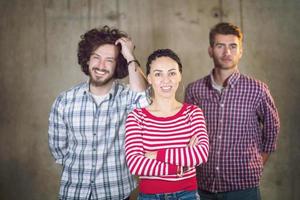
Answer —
38 44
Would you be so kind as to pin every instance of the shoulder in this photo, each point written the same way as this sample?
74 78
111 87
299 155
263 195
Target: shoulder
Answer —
131 98
136 116
199 83
137 113
253 84
66 95
121 88
192 109
197 89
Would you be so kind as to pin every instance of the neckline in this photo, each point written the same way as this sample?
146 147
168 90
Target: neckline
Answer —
176 115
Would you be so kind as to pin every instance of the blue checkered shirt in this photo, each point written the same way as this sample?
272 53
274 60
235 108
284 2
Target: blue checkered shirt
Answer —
88 141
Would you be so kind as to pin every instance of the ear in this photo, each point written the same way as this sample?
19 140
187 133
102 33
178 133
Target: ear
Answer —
210 51
180 77
241 52
149 79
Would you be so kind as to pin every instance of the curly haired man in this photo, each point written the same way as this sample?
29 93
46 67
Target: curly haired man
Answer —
86 123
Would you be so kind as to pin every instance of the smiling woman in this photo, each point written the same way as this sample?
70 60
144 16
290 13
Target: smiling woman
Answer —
166 140
164 77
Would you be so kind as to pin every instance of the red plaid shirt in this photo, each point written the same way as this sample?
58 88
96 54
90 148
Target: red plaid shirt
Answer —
242 121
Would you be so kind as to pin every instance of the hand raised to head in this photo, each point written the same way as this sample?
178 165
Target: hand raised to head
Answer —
127 48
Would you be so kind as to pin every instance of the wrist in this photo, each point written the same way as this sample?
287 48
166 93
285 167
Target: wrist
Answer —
129 57
133 61
179 171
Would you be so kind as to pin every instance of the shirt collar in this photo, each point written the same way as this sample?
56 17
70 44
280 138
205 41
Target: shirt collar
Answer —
112 92
232 80
214 84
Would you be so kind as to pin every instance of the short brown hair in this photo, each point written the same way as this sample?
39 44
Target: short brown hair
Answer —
224 28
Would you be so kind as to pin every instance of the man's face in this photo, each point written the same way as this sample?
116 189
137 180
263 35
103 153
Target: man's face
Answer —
226 51
102 64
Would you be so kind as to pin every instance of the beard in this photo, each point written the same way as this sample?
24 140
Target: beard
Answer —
96 80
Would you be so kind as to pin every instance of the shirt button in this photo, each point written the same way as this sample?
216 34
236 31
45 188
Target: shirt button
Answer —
219 137
94 149
222 105
94 133
221 120
217 168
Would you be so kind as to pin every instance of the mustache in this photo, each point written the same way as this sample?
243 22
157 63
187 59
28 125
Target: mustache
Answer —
101 70
226 57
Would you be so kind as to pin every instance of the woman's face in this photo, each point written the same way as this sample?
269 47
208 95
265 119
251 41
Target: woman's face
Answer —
164 77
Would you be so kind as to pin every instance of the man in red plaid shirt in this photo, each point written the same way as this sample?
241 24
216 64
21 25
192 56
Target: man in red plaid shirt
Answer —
242 121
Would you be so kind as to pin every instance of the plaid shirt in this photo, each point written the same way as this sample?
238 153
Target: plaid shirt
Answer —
242 122
88 140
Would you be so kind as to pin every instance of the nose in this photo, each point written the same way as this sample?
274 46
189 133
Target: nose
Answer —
166 79
101 63
227 50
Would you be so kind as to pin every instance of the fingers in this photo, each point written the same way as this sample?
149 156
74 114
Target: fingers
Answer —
123 40
125 43
127 47
151 154
193 141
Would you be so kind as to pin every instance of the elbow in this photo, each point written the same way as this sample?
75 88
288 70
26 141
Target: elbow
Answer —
133 170
205 159
130 170
130 166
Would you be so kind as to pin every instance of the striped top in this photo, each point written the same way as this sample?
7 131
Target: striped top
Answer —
169 136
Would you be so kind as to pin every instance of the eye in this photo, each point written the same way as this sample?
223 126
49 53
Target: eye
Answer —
233 46
219 46
157 74
172 74
95 57
110 60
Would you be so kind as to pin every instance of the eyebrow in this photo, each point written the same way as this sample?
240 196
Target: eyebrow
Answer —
220 43
159 70
101 56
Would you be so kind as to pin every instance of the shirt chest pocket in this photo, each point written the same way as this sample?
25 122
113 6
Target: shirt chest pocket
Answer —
238 114
112 121
235 112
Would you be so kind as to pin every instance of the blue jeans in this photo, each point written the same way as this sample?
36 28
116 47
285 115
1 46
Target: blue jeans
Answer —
247 194
182 195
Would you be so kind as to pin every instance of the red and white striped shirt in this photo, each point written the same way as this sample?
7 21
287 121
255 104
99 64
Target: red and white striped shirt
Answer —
169 136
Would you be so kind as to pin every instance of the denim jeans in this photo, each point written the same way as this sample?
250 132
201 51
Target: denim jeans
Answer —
247 194
90 197
182 195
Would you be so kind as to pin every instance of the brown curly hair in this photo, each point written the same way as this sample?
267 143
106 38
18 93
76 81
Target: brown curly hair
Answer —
96 37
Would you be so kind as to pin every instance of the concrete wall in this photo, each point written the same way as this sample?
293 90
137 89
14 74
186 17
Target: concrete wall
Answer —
38 41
